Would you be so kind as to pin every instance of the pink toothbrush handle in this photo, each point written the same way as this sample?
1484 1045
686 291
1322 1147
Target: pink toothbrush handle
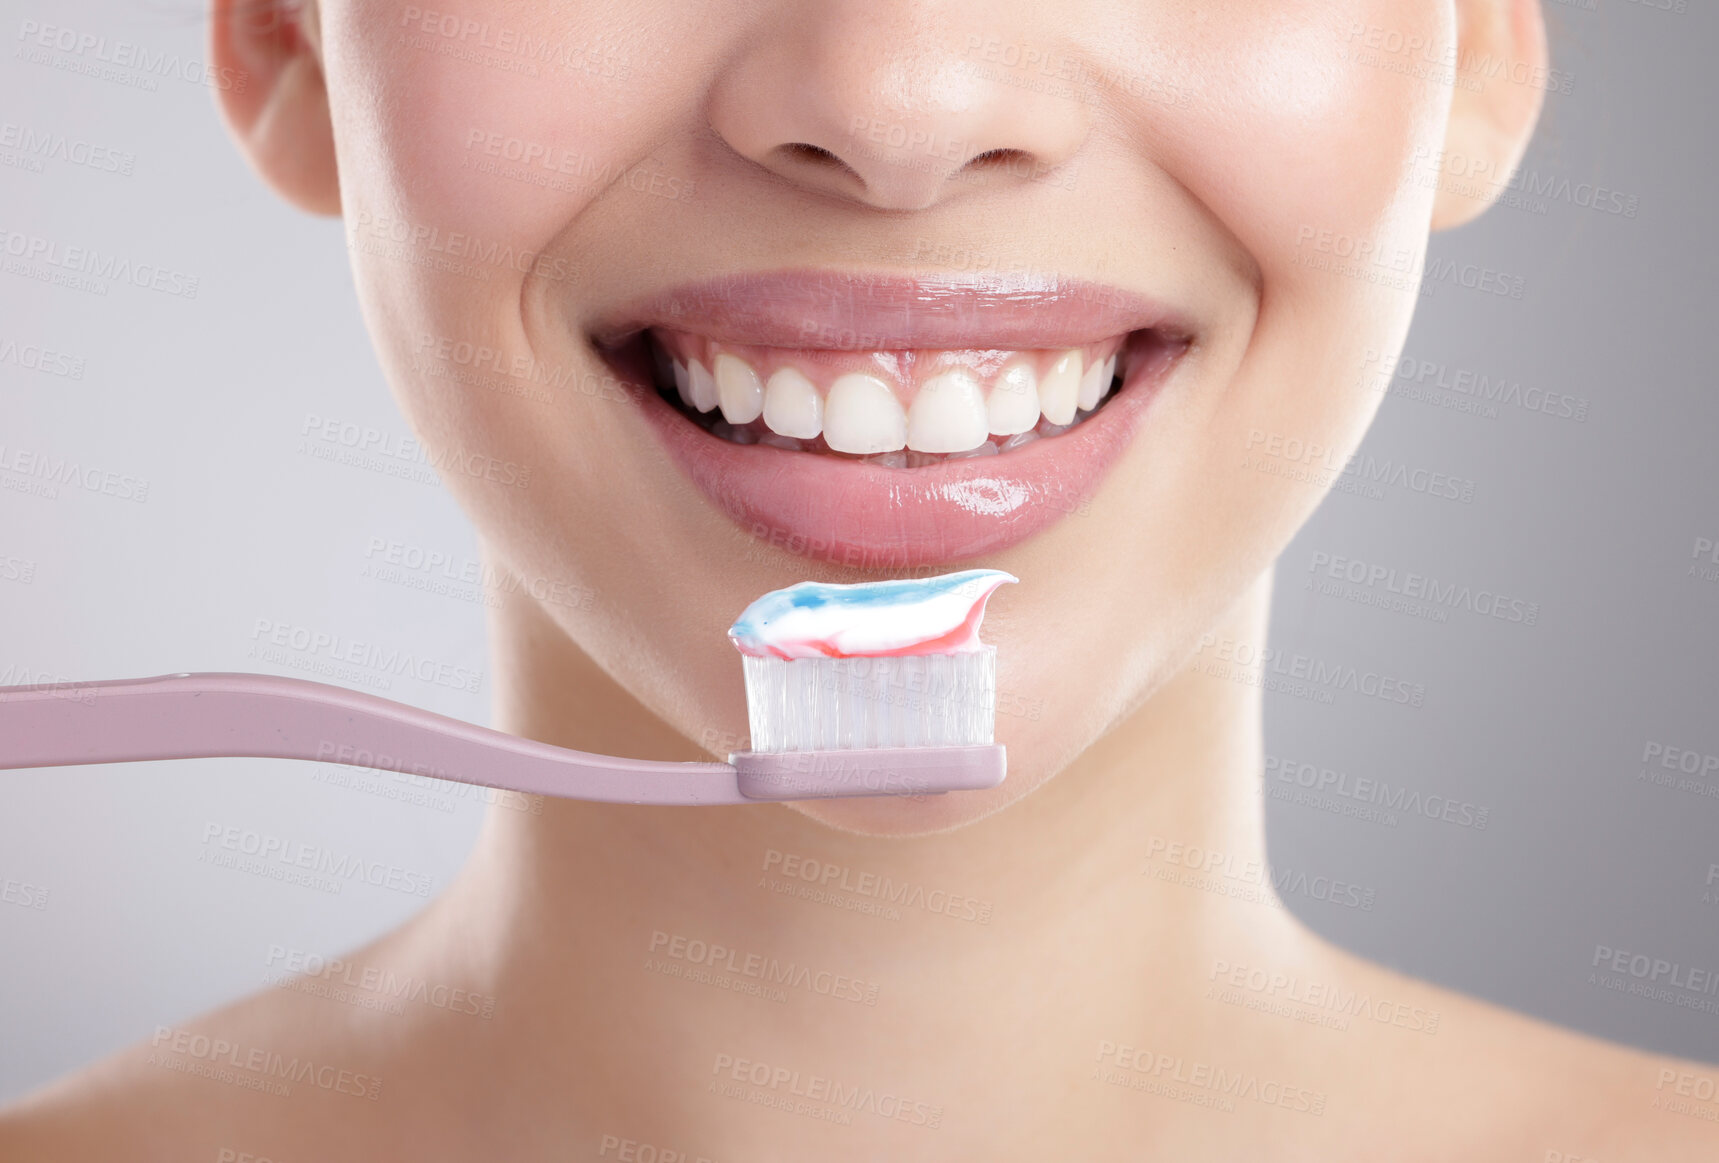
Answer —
195 716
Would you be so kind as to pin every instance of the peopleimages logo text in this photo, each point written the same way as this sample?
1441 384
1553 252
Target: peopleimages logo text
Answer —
126 55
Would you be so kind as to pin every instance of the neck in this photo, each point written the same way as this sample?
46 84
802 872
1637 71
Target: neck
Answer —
903 938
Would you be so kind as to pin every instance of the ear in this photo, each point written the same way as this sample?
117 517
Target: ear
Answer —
278 114
1500 81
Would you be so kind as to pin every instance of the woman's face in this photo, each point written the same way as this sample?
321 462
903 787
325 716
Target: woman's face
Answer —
857 205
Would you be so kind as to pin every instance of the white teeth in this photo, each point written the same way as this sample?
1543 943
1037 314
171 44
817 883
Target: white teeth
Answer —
863 416
1104 380
1013 405
1091 388
792 406
1059 389
948 414
682 383
738 389
953 413
1095 384
703 387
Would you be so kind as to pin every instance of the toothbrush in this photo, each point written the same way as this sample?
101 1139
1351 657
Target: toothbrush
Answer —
878 688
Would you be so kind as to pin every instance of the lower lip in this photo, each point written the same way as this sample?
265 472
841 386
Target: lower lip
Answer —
875 518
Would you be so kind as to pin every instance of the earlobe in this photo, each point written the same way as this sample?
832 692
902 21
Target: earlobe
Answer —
279 114
1500 80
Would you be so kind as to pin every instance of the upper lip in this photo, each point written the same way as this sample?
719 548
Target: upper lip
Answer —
843 311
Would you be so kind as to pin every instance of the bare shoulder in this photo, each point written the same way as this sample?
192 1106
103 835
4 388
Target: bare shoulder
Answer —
1602 1101
1550 1094
266 1078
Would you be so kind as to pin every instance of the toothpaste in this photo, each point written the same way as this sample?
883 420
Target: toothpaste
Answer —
936 615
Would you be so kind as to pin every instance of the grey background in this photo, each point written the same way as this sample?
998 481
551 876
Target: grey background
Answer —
1543 726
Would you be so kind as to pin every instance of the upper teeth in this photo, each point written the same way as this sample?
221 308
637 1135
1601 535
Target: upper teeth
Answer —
792 406
1013 405
859 412
1060 388
862 415
948 415
703 387
738 389
1093 382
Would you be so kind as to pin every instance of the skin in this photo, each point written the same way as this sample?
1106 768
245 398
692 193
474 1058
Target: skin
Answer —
1205 201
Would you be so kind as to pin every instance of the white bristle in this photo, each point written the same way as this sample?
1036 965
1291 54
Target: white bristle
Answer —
837 704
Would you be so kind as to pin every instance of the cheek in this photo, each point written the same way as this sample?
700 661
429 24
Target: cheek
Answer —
443 155
1308 121
1300 126
467 186
471 138
501 121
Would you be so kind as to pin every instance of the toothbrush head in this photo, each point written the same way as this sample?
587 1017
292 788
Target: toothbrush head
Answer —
877 688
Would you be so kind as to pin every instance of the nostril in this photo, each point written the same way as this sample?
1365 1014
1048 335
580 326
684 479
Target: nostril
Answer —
994 158
813 153
818 156
810 152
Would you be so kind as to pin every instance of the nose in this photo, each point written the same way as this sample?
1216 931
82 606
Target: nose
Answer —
889 104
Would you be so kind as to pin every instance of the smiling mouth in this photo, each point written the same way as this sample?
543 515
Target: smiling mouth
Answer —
897 409
883 422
